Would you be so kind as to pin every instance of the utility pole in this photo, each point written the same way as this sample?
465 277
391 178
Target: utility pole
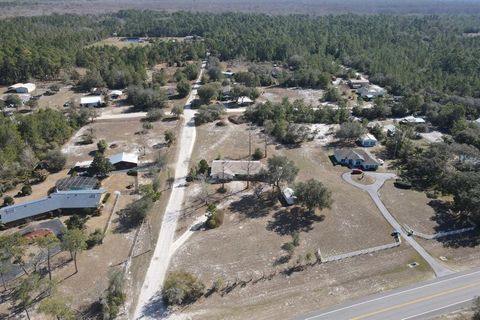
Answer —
249 155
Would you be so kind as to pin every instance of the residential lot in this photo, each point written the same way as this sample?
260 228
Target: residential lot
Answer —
124 135
250 243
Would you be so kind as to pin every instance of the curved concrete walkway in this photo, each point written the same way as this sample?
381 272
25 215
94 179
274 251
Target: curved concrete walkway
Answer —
372 190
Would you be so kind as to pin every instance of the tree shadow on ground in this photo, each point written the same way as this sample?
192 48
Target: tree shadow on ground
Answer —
296 219
92 311
465 240
251 206
155 308
446 218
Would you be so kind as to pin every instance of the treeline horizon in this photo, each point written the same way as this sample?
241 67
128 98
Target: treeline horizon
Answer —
279 7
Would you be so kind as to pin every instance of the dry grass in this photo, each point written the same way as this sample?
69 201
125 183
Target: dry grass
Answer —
461 251
250 241
122 133
409 207
276 95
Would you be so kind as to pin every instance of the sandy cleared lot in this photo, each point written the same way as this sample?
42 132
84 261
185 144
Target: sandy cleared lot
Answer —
125 134
276 95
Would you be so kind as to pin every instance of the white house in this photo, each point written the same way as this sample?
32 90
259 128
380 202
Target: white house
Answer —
23 87
120 161
91 101
234 169
368 140
59 200
370 92
289 196
412 120
228 74
356 158
115 94
244 100
358 83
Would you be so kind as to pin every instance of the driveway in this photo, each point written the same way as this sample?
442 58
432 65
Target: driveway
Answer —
372 190
150 305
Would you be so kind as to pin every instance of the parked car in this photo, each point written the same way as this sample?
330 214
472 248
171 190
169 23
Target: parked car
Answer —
357 171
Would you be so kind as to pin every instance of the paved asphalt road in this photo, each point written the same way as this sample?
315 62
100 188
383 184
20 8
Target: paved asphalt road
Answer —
421 301
372 190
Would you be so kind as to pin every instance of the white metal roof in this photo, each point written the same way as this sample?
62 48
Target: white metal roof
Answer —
124 157
116 93
289 196
369 136
83 164
243 100
412 119
91 100
29 86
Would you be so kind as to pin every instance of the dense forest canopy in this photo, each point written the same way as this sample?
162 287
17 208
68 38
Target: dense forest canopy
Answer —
425 54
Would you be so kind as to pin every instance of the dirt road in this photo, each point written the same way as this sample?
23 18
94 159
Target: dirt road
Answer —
150 304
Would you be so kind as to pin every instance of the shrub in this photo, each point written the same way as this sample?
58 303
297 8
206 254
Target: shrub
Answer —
209 114
8 201
132 172
296 238
177 110
114 297
102 146
75 222
55 160
257 154
220 123
215 219
95 238
192 174
155 115
203 167
135 212
402 184
183 88
182 288
289 248
26 190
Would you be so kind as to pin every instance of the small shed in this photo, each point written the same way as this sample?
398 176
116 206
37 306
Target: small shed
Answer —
368 140
123 161
289 196
91 101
